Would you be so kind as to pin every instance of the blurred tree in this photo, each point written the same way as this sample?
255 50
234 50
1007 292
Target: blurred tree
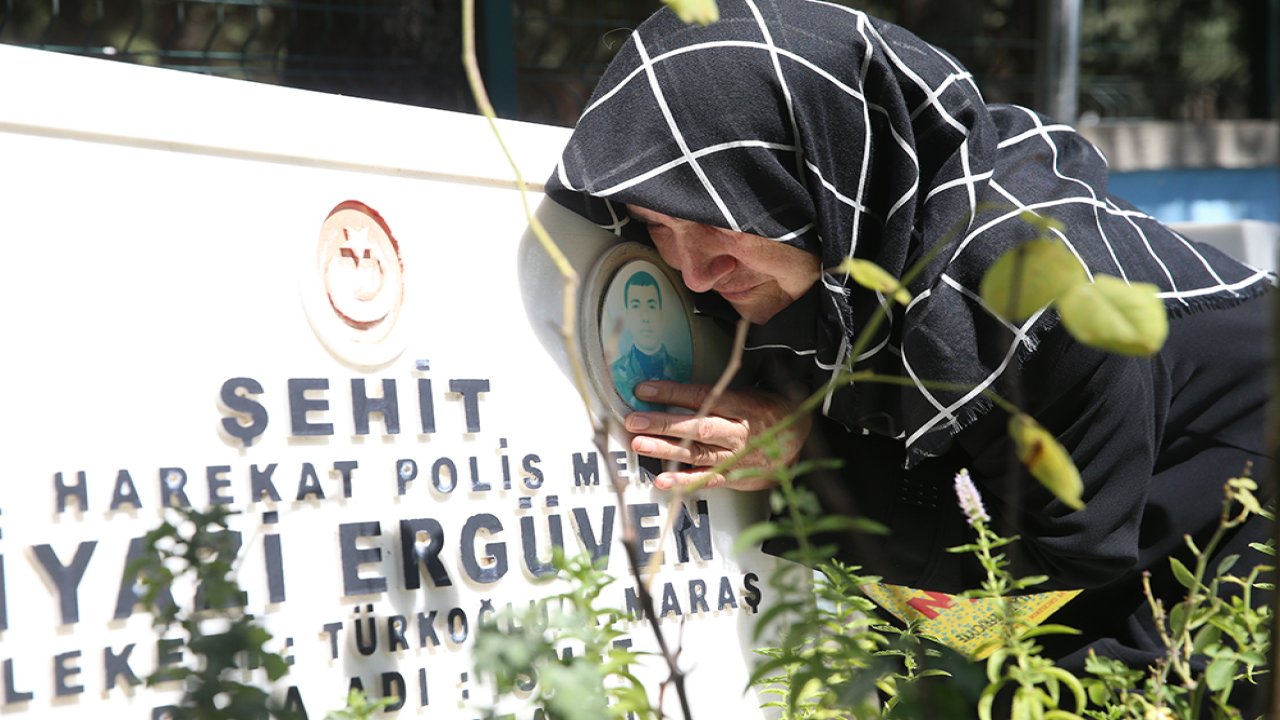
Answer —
405 51
1169 59
1166 59
1183 60
562 49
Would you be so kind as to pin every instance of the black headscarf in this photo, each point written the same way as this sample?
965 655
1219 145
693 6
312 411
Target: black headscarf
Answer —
823 128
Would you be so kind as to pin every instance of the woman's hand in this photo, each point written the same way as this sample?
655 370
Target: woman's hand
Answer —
736 418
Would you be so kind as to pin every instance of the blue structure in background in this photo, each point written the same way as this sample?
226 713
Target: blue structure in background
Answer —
1208 195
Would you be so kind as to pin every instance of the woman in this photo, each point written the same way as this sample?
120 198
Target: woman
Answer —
759 152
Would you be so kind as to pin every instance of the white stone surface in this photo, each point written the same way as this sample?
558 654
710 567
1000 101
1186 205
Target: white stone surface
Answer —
1158 145
1251 241
160 228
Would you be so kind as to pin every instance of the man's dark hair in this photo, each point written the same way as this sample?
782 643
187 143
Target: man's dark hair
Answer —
643 279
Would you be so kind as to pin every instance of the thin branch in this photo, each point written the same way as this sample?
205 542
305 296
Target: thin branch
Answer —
726 376
570 302
1273 479
631 543
568 334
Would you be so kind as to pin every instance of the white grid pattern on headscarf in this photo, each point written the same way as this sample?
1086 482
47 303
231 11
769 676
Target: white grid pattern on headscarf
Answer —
818 126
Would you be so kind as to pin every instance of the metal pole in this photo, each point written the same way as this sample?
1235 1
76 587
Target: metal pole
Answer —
1272 106
1063 77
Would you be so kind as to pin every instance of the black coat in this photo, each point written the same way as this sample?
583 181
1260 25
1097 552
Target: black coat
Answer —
1154 439
822 128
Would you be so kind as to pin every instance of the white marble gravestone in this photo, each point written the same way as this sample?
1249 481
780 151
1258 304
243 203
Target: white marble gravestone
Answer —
310 309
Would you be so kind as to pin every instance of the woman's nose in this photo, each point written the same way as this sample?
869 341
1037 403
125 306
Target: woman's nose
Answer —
703 260
703 274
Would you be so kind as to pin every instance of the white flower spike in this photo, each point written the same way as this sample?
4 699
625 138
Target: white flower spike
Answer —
970 500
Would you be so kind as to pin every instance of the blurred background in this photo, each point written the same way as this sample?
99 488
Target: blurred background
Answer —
1182 95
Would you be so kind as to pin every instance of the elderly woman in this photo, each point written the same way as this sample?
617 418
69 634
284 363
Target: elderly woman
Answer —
759 152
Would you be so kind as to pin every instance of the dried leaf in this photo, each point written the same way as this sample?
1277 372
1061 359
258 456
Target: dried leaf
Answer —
1111 314
1047 460
1029 277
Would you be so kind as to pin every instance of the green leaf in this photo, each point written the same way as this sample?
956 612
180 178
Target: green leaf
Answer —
1071 682
799 685
873 277
1250 503
766 668
1225 625
1220 673
700 12
1021 708
277 667
1029 277
1243 483
1030 581
1050 629
1047 460
1253 659
1113 315
847 523
765 621
1227 563
1182 574
995 662
987 699
755 534
1178 619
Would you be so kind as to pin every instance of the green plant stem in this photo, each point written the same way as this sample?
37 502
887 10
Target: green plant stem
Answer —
1181 660
726 376
569 306
567 332
1273 476
809 403
631 544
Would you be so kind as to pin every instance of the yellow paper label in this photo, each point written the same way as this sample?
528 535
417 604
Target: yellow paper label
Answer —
969 625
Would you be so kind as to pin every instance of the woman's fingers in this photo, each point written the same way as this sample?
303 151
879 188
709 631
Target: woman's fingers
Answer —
733 421
701 478
711 430
665 448
662 392
668 480
734 404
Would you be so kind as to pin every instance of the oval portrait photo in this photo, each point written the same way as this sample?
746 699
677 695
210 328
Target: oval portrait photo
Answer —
644 331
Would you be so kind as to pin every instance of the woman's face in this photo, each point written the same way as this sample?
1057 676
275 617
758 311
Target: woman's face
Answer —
758 276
